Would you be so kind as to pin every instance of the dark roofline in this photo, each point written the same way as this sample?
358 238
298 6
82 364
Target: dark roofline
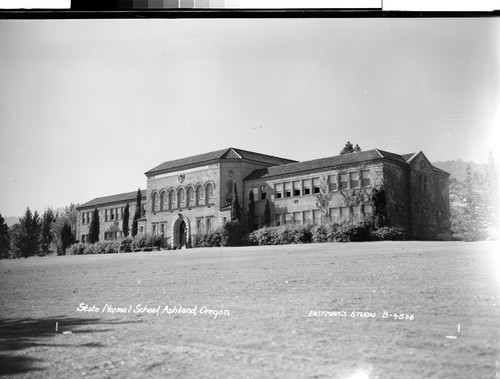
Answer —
440 171
382 155
208 158
118 198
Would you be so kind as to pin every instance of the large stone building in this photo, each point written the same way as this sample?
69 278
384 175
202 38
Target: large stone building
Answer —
193 195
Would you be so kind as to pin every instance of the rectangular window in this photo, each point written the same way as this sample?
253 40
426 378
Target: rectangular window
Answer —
356 212
106 216
199 226
112 214
278 190
316 217
296 188
307 186
316 185
155 229
365 174
278 220
83 218
345 215
307 217
162 229
288 189
333 182
297 217
353 176
255 191
334 214
367 209
209 225
263 191
343 181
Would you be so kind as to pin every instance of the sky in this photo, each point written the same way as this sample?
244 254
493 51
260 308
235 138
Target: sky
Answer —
88 106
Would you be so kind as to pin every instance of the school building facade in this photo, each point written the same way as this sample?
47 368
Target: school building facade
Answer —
193 195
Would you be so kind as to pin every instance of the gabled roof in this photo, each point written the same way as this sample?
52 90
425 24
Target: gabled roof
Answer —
322 163
229 153
122 197
408 157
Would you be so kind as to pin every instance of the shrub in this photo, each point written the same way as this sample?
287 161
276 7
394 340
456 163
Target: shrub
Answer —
145 240
388 234
126 245
105 247
353 231
280 235
213 239
232 234
76 249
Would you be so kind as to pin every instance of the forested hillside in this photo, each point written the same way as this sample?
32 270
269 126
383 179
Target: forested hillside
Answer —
473 199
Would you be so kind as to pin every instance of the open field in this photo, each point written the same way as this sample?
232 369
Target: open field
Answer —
267 329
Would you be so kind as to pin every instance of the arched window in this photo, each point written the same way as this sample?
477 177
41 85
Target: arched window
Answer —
189 197
171 199
154 200
181 198
199 195
209 193
163 201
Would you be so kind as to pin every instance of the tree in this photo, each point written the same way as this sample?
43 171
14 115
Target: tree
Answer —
235 205
379 206
492 199
67 237
94 227
15 232
251 212
348 148
322 199
68 216
267 214
4 239
48 221
28 242
138 213
470 222
126 216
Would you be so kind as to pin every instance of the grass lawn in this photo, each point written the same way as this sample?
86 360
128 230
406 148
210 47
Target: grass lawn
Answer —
267 297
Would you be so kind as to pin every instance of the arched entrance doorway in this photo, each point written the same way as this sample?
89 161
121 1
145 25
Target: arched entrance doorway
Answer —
180 232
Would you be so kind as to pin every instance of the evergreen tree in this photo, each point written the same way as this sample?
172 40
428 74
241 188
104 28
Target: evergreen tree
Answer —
68 216
235 205
4 239
28 241
348 148
492 199
48 221
251 212
126 216
94 227
138 213
267 214
67 237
